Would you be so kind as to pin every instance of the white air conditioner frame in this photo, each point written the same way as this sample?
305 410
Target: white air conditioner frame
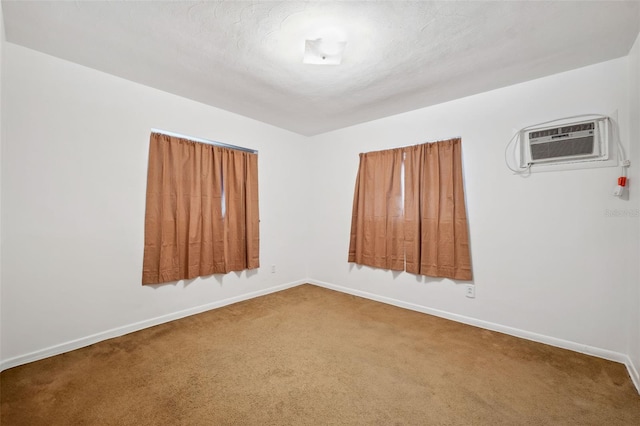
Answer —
603 154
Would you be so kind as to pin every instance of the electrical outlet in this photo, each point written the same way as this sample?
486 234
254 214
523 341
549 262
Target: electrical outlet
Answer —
273 269
470 291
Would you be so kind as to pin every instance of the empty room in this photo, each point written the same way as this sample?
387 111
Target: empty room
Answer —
319 212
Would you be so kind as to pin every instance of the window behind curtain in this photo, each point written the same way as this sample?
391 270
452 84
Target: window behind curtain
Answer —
426 233
201 212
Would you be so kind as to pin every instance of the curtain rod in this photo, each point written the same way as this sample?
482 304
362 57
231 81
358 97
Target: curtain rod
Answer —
207 141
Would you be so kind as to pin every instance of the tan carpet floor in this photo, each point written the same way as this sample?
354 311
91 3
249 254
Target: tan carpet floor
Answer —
308 356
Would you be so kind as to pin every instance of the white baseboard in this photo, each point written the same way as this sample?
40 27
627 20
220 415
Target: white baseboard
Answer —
130 328
633 372
560 343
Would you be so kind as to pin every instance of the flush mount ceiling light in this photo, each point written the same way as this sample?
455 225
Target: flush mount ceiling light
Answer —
323 51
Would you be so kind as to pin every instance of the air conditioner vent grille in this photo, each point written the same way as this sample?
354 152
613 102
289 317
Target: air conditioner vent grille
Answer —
562 148
543 133
578 127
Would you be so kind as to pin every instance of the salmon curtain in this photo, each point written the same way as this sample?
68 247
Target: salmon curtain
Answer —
377 223
425 234
201 210
435 216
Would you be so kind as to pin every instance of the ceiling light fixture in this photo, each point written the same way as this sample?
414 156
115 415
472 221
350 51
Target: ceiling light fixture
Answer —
325 47
323 52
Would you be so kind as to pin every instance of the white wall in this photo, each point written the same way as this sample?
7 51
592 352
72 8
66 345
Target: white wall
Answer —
74 177
547 261
634 187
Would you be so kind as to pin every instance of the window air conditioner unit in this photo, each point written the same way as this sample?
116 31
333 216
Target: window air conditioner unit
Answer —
567 143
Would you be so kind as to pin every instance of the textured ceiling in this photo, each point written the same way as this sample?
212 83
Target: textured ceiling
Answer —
246 57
